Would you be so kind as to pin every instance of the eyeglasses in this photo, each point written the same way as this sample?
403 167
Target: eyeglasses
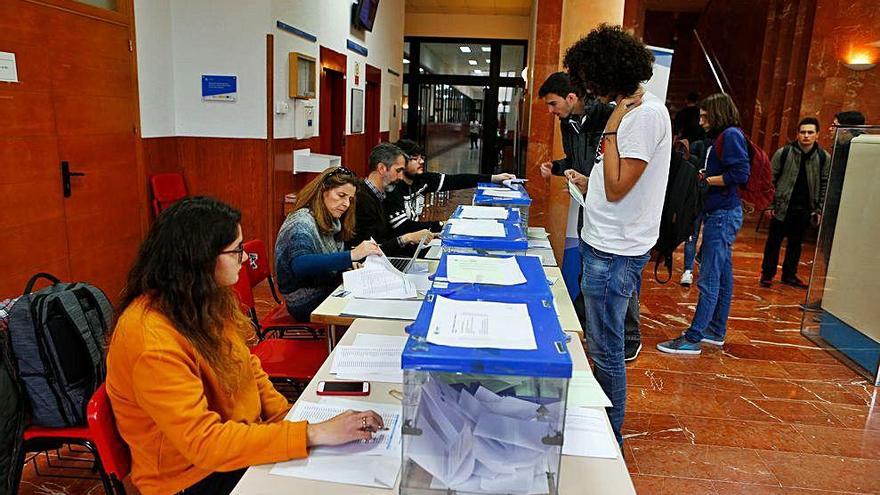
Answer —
239 251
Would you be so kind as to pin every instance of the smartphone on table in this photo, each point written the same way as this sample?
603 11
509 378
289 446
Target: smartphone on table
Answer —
343 388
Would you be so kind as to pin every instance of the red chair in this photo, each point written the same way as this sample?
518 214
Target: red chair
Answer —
167 188
99 437
278 321
291 362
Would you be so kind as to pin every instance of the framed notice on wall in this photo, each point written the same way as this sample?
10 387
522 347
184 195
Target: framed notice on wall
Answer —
219 88
357 110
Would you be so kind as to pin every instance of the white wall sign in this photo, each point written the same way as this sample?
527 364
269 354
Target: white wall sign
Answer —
8 72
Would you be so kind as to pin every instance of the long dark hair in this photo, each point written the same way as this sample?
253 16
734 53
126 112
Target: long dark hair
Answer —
175 268
720 112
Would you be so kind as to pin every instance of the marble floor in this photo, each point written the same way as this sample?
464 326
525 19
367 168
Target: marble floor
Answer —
459 159
767 414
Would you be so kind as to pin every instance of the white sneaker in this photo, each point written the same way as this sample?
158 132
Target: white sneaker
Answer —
687 278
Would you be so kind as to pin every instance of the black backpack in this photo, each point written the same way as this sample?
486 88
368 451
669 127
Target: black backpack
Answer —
58 338
681 207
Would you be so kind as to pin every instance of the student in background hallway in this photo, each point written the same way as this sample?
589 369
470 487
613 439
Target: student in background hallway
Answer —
624 196
800 173
722 218
310 255
387 163
193 404
474 133
581 124
698 151
406 201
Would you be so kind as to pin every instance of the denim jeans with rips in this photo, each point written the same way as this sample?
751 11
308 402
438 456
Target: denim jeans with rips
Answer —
608 283
716 275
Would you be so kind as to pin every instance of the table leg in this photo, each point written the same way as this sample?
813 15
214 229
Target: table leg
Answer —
331 338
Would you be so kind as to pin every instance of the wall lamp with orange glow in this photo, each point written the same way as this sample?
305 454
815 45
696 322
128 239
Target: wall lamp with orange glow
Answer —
860 60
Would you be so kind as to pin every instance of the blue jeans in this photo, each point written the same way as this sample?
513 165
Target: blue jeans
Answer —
608 283
716 274
690 245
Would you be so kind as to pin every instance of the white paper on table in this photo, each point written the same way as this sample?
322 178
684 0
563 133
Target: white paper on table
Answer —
546 255
434 242
484 212
419 281
384 443
477 228
483 270
539 243
587 434
576 193
372 339
376 471
378 279
375 363
537 233
434 253
481 324
388 309
584 390
502 193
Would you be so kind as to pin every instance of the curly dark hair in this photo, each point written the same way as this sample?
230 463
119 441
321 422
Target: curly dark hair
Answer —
608 62
174 269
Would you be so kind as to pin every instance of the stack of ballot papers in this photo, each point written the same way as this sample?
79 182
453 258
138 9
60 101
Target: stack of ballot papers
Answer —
374 358
374 462
537 233
483 270
481 324
502 192
378 279
484 212
387 309
477 228
482 442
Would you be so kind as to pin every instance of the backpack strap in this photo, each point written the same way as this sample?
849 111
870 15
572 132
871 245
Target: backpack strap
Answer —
29 287
666 260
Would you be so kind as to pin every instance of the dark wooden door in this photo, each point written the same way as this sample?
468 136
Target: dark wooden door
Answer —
76 102
372 109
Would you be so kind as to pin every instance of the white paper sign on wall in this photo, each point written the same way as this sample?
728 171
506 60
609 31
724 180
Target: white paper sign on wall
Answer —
8 72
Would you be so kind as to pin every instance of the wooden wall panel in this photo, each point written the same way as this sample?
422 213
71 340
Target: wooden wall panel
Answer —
355 156
161 155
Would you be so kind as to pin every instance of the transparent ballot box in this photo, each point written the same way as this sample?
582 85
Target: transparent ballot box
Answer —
483 420
512 239
842 313
516 196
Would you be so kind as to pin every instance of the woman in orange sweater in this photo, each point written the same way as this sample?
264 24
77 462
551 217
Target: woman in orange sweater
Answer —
193 404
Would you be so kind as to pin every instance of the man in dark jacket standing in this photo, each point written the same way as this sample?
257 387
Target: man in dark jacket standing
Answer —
404 204
800 172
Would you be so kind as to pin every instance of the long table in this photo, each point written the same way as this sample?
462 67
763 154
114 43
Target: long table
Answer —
329 312
582 475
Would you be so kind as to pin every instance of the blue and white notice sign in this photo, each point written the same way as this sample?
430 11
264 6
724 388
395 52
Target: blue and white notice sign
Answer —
219 88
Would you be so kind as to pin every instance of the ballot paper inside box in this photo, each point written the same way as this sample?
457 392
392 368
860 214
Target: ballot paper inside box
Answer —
487 195
484 237
484 420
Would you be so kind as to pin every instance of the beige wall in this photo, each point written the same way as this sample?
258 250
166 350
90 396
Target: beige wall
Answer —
467 26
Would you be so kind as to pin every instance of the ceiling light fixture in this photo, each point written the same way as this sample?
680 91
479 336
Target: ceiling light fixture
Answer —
406 60
465 49
472 62
486 48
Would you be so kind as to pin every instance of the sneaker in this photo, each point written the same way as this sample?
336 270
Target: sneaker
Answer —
687 278
631 350
680 345
794 282
765 282
712 338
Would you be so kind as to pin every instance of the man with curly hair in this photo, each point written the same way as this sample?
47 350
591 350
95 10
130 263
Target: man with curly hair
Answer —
624 194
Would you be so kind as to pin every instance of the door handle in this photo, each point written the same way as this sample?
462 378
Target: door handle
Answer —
66 174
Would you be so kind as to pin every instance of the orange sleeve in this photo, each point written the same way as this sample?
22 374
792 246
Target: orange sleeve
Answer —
169 391
275 405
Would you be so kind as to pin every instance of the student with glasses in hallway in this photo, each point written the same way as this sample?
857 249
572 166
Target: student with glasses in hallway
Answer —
581 123
406 201
624 195
309 253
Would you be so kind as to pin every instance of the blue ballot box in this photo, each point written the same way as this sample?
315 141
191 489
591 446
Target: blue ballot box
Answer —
484 197
512 214
482 418
514 240
536 284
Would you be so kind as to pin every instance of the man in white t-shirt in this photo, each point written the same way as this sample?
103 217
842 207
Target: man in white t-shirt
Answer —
624 195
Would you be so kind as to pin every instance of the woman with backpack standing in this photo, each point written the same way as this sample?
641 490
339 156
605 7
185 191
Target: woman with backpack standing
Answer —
726 170
193 404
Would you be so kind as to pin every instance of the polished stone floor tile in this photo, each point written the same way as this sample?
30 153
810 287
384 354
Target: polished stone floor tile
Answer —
664 485
842 442
820 472
744 434
681 460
